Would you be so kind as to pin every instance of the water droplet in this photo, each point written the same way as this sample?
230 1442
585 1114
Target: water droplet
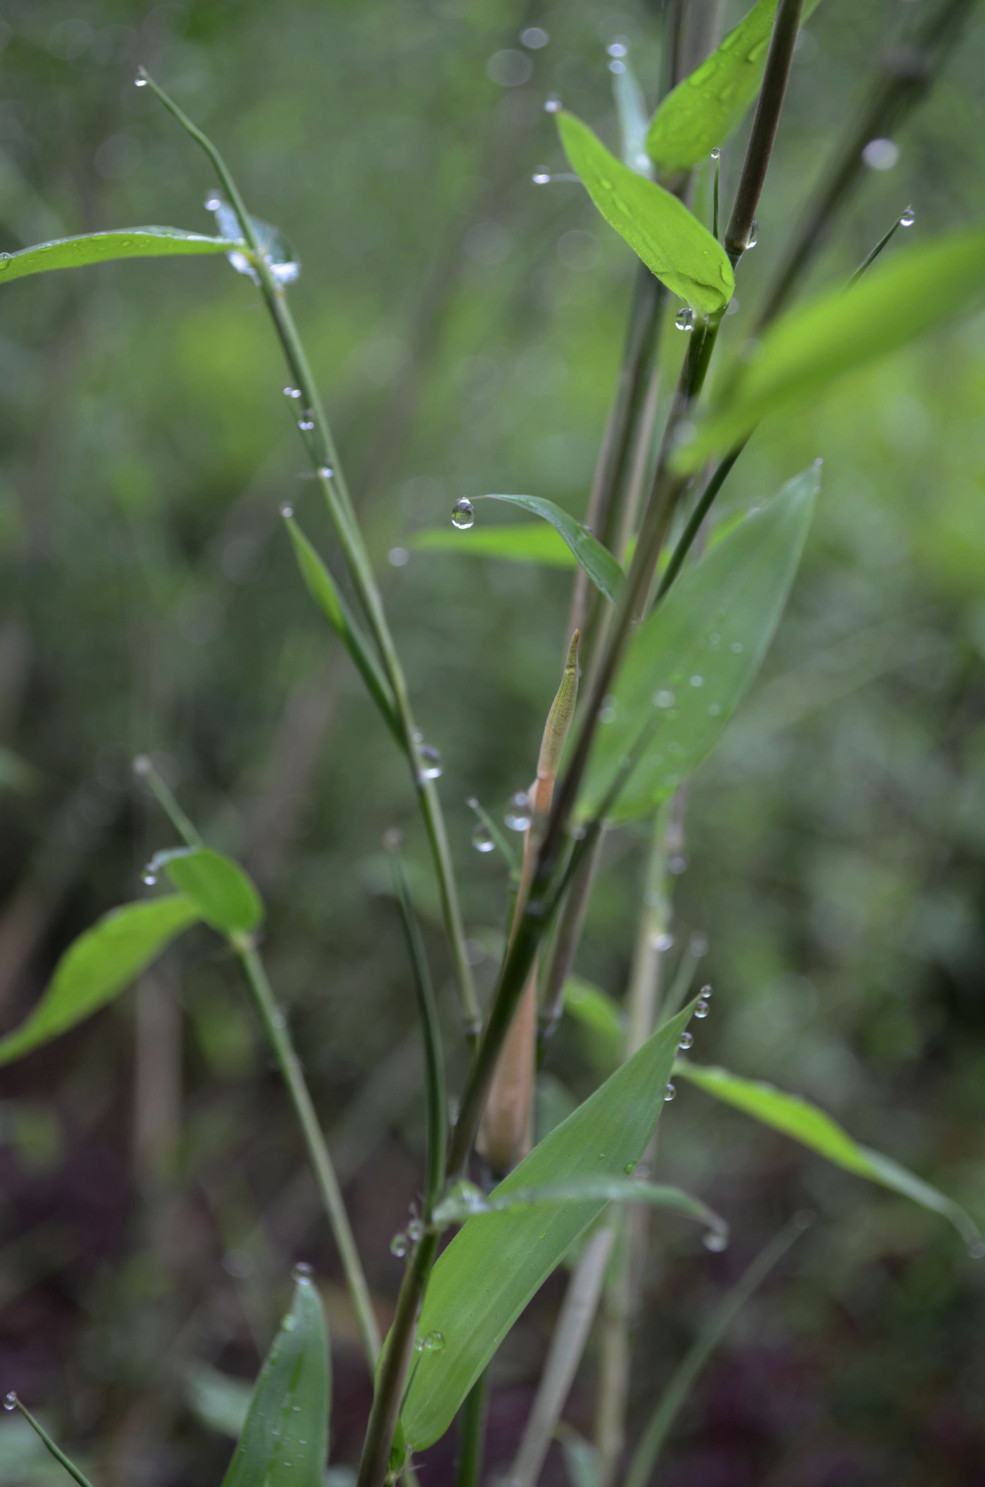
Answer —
706 992
616 66
880 154
415 1231
697 681
149 875
286 510
686 1040
138 82
670 1093
213 202
431 765
629 1167
541 176
482 838
434 1342
677 864
302 1272
715 1241
907 218
326 472
534 37
684 319
716 153
398 557
664 698
976 1250
662 942
398 1245
752 237
292 392
617 49
306 422
701 1010
517 816
553 105
463 514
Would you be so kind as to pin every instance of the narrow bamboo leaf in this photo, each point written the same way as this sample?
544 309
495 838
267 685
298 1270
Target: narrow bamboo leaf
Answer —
498 1261
633 118
529 542
218 887
217 1400
285 1438
813 1128
600 1016
691 663
321 586
706 107
805 351
657 226
596 560
101 247
98 965
467 1201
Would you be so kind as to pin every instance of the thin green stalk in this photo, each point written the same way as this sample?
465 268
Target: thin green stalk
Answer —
873 253
325 462
694 1360
697 518
11 1402
275 1028
143 767
472 1434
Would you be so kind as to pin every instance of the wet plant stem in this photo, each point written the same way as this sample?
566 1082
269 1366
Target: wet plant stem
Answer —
275 1028
50 1446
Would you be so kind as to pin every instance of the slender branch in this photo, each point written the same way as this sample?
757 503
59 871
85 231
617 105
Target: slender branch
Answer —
11 1402
275 1028
739 232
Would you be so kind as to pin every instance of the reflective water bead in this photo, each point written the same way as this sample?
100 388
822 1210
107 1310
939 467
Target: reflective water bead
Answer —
149 875
517 816
302 1271
701 1010
684 319
213 202
286 510
292 392
434 1342
306 422
753 237
541 177
662 941
534 37
10 1400
463 514
398 557
629 1168
138 82
670 1093
552 105
715 1241
686 1040
663 698
617 49
706 992
431 765
398 1245
880 154
326 472
907 218
617 66
716 153
415 1231
482 838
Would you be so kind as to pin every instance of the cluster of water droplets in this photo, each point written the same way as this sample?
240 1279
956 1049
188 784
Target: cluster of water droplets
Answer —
703 1005
517 816
431 1342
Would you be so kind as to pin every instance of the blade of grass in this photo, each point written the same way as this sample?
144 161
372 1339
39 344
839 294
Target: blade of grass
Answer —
11 1402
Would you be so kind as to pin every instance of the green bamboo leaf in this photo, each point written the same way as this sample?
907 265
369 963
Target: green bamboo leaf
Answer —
218 887
690 664
467 1201
496 1263
799 356
529 542
601 1017
101 247
633 118
321 586
97 966
596 560
704 109
815 1129
285 1438
657 226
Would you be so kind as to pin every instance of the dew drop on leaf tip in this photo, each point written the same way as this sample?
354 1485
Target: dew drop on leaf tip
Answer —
482 839
431 765
617 49
908 217
398 1245
286 510
684 319
139 82
716 153
685 1041
149 875
463 514
10 1401
302 1271
715 1240
670 1093
213 202
552 105
541 177
517 816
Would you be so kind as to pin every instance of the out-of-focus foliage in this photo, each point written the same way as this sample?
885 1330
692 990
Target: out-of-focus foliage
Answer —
466 326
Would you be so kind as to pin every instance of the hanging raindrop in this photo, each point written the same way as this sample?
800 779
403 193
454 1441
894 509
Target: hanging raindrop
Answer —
907 218
517 816
482 838
670 1093
431 765
463 514
685 319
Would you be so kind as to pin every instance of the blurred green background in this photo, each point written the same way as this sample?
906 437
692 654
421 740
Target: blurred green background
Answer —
465 326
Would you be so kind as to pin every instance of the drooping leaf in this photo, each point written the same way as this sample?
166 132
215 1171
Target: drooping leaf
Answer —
814 1128
529 542
807 350
102 247
285 1438
690 664
596 560
98 965
703 110
468 1201
498 1261
657 226
218 887
321 586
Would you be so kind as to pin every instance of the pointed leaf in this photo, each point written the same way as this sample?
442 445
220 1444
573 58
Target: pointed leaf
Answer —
633 118
218 887
601 1017
815 1129
496 1263
285 1438
670 240
803 352
467 1201
706 107
101 247
526 543
596 560
98 965
690 664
